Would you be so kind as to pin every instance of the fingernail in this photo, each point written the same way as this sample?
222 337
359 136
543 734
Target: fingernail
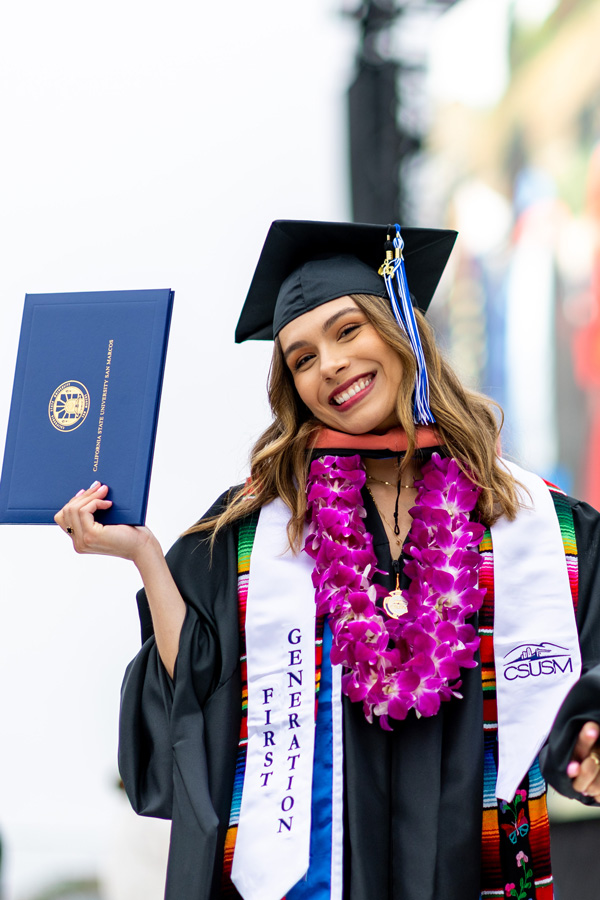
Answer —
572 769
584 794
79 493
591 732
93 485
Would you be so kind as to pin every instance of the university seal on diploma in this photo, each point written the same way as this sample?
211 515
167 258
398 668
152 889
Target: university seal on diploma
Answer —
69 405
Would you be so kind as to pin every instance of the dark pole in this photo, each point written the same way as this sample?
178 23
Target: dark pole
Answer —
386 138
374 139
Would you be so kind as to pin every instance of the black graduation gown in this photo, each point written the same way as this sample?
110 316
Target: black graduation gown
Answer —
412 797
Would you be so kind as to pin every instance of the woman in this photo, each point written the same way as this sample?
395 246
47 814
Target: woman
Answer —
384 798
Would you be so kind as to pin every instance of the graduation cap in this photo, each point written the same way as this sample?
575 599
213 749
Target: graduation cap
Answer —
305 264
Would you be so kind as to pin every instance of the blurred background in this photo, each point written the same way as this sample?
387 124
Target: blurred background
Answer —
150 145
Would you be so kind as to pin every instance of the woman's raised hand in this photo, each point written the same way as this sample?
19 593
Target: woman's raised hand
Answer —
76 518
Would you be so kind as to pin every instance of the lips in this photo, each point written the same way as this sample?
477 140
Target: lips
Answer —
351 389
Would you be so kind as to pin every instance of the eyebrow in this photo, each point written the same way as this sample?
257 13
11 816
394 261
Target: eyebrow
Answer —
326 326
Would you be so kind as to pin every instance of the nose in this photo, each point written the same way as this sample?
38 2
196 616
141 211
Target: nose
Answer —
333 362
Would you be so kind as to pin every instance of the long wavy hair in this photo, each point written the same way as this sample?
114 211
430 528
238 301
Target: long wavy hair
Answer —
465 421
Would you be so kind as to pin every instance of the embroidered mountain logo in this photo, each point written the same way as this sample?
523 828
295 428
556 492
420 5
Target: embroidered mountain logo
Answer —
69 405
532 660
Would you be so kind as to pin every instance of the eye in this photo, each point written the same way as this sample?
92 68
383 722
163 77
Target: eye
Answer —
301 361
347 330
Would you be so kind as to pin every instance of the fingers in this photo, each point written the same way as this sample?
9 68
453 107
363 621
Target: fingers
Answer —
584 768
585 741
76 518
587 782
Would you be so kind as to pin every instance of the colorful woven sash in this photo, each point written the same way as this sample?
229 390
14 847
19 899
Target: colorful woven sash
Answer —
515 845
515 836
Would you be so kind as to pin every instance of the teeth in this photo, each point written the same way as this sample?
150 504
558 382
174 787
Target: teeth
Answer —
355 388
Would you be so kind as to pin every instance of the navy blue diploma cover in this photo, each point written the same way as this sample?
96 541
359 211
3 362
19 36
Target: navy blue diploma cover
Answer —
85 402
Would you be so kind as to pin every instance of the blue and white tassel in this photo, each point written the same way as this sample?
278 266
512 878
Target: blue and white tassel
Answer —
394 276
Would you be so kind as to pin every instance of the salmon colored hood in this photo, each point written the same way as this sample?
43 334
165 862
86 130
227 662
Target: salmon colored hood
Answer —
394 440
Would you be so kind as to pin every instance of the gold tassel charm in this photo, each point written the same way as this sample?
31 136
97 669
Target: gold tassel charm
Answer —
394 604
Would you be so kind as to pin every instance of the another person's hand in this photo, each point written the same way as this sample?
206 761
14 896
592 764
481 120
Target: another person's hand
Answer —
76 518
584 768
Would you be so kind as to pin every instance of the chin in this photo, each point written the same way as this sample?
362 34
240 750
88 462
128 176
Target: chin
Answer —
348 430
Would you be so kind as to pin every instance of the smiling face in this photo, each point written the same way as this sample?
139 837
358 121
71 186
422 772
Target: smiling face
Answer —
344 372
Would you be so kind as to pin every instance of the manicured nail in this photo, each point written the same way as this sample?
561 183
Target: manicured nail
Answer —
572 769
93 485
591 732
79 493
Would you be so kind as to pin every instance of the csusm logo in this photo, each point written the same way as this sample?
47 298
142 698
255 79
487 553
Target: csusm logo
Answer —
69 405
533 660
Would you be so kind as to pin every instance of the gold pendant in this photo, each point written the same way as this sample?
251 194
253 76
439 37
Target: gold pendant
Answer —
395 605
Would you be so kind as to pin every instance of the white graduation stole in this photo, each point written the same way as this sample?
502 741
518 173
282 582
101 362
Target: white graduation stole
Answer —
272 845
536 645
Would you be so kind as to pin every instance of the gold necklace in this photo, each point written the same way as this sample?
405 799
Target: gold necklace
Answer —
387 522
389 483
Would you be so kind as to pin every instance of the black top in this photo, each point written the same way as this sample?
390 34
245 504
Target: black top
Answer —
413 797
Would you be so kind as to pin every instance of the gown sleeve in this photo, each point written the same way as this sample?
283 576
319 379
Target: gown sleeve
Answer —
175 735
582 703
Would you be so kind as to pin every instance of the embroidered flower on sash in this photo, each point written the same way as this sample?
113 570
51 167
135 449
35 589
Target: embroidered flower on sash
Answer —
414 662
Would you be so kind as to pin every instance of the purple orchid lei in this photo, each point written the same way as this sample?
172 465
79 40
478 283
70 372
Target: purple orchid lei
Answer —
395 665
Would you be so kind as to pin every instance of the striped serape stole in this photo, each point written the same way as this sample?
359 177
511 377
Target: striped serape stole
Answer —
515 850
247 532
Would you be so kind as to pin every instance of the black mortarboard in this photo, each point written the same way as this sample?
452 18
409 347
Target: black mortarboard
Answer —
305 264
